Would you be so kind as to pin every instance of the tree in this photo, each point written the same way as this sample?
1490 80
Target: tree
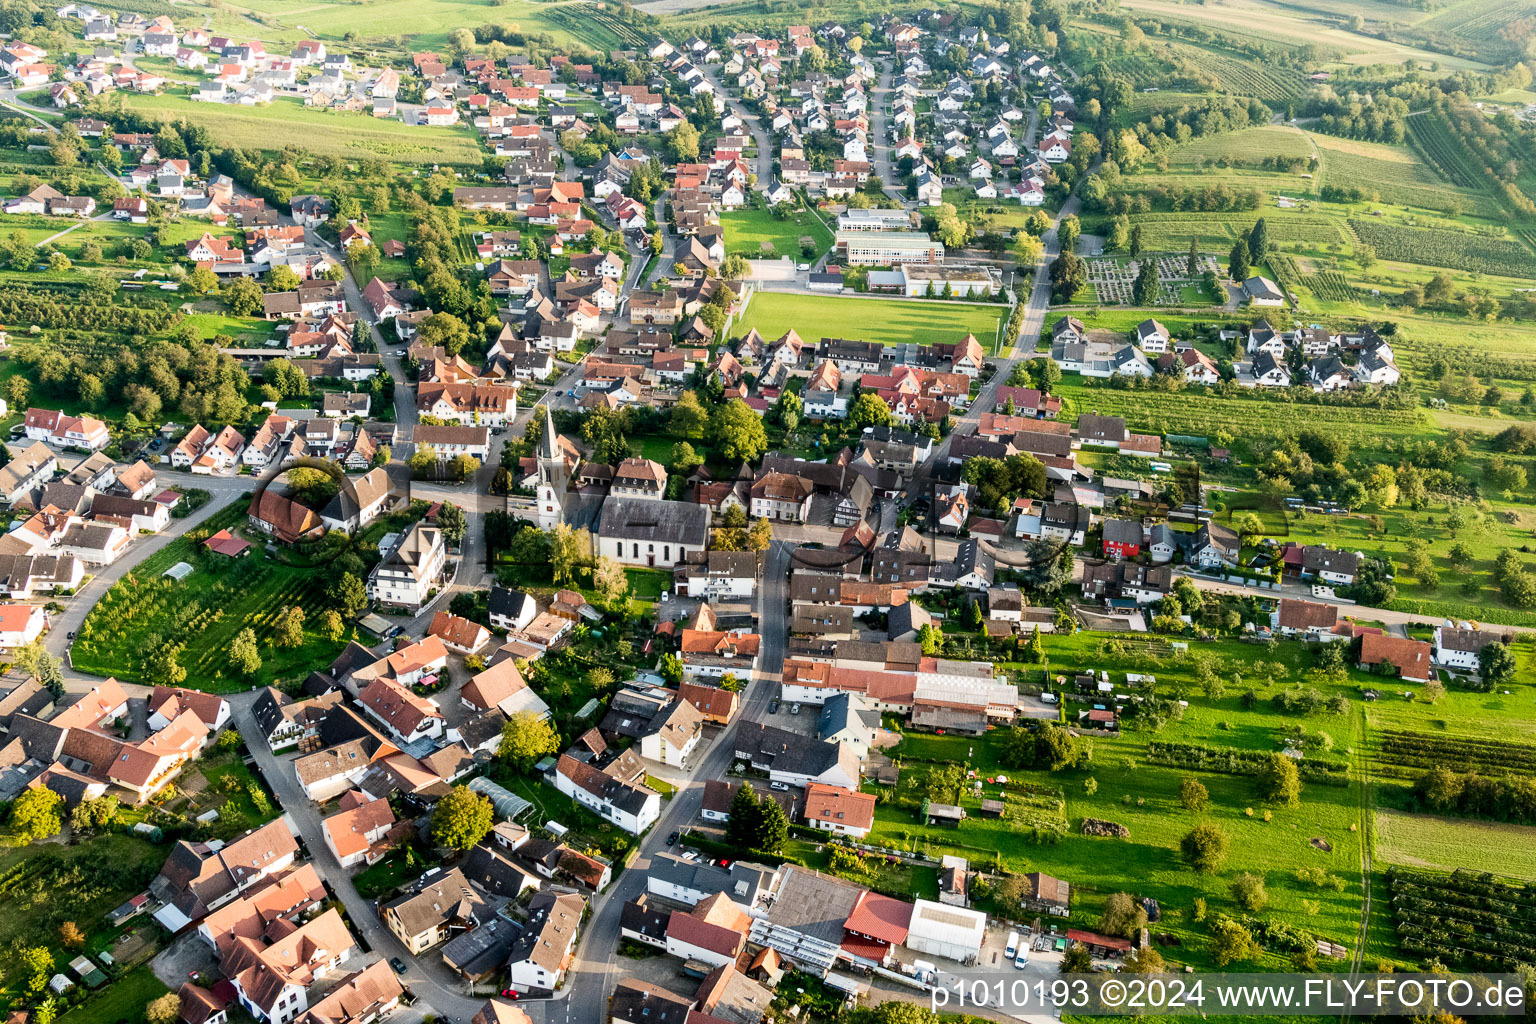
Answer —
446 330
282 279
1248 892
738 432
244 653
37 962
1068 276
71 935
244 297
734 267
1123 915
564 554
461 819
1258 241
1028 248
1068 232
1238 267
349 595
760 536
1143 960
868 410
290 628
1205 848
451 520
1496 663
164 1010
609 580
202 281
1135 249
1145 288
1231 942
688 418
904 1013
1193 794
526 738
36 815
1279 781
930 638
1077 960
772 826
331 627
742 829
461 39
683 142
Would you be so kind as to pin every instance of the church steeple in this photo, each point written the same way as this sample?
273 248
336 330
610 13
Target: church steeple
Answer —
554 475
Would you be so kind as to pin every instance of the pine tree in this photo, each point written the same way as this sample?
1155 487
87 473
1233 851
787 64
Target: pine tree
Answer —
1135 241
1258 241
1144 291
1192 268
1238 267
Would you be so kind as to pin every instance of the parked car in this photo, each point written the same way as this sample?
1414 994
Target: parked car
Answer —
794 709
397 964
773 706
781 786
672 839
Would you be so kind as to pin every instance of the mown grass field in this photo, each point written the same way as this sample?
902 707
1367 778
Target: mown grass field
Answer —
1429 841
888 321
206 610
746 231
287 122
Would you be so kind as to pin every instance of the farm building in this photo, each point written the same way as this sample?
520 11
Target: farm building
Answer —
940 930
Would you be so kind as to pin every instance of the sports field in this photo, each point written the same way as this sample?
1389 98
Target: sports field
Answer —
888 321
287 122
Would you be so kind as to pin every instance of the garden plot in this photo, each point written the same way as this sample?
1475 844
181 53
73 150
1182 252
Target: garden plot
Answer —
1114 279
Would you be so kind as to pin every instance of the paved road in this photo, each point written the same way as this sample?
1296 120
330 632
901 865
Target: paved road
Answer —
1035 308
428 977
596 970
754 124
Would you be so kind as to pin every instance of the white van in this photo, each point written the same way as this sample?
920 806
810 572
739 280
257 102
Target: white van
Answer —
1013 945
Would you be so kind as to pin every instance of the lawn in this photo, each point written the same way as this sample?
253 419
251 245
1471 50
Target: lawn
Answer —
888 321
1429 841
746 231
145 610
122 1000
287 122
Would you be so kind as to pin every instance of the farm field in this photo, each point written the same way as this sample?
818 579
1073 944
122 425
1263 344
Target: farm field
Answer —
1271 23
888 321
1269 140
145 610
287 122
748 231
425 24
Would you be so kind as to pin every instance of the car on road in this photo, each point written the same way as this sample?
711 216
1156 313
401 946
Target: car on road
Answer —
398 964
511 993
778 785
672 839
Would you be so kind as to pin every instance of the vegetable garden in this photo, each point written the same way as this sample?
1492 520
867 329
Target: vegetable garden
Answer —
1437 247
